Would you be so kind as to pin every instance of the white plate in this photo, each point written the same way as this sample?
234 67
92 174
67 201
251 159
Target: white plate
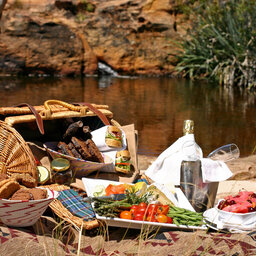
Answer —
213 221
212 218
118 222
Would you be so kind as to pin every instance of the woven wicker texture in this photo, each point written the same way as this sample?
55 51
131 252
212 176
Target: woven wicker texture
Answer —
52 109
65 214
15 154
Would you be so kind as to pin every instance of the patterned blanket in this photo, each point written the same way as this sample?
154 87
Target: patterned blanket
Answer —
47 237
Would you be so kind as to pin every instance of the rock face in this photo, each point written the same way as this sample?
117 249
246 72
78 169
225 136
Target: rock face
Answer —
71 37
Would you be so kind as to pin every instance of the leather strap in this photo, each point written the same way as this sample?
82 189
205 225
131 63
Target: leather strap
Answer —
102 117
39 120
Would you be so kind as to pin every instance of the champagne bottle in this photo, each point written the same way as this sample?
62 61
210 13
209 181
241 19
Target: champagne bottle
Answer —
191 182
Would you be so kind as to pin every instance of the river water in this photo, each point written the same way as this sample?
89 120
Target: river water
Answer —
157 107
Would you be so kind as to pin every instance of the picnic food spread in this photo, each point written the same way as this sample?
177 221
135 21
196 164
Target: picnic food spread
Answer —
140 202
84 145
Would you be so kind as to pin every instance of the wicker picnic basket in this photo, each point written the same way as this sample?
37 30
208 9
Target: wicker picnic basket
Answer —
43 123
46 122
15 154
66 215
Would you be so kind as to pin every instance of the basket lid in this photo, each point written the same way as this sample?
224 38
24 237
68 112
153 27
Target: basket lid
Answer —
15 154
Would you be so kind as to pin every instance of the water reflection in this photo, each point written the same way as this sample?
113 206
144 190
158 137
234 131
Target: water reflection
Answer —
157 107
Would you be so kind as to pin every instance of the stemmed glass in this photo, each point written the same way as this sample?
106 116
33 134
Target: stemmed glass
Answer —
225 153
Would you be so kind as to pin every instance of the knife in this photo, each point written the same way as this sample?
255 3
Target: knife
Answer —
116 197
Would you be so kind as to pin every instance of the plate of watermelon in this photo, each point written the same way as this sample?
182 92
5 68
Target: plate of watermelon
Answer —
240 208
234 212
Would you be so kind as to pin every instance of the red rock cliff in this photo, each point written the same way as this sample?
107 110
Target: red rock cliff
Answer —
71 37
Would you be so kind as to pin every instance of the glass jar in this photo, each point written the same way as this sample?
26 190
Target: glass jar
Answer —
61 172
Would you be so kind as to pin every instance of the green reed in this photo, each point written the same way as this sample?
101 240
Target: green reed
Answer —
221 43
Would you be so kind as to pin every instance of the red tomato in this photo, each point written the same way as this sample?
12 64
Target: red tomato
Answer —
163 209
138 216
162 218
143 205
126 215
152 209
134 209
135 206
151 218
142 210
169 220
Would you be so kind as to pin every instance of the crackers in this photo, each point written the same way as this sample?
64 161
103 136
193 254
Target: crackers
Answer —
13 188
8 187
29 194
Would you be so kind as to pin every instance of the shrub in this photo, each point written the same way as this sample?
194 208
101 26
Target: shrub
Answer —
221 44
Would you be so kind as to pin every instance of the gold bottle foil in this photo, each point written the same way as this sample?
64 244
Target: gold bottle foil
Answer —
188 127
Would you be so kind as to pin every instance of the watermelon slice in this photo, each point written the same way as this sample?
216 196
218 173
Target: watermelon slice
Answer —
243 202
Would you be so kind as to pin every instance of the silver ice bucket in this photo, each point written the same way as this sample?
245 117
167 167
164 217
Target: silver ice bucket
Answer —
201 195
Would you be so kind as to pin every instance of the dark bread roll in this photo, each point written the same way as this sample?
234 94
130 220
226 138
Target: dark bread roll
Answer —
73 150
94 151
88 150
81 147
64 149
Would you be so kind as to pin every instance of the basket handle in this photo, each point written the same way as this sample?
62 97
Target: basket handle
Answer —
79 107
82 107
39 120
47 112
102 117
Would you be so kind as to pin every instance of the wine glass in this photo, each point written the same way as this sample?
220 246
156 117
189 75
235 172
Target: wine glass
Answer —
225 153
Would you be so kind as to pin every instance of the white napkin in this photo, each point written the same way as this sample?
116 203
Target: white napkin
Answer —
98 136
110 167
236 228
212 216
214 171
166 168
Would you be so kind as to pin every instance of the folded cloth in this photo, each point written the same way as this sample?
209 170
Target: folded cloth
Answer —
166 168
236 228
75 204
214 171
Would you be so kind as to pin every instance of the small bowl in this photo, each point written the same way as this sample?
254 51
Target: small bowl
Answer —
18 213
236 218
